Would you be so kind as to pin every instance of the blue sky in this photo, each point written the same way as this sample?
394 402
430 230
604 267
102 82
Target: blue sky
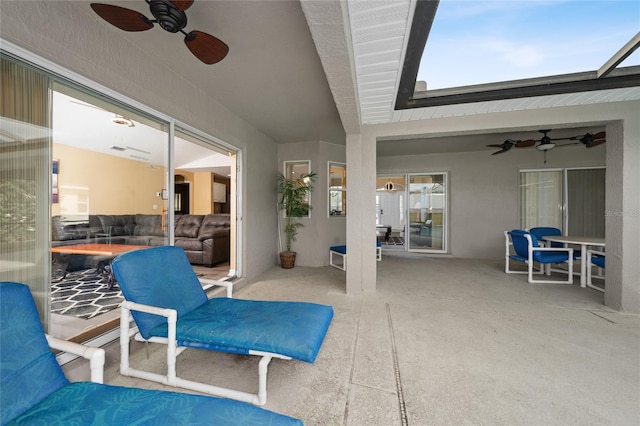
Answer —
478 41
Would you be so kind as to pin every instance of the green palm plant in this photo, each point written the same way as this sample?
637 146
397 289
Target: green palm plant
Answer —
294 201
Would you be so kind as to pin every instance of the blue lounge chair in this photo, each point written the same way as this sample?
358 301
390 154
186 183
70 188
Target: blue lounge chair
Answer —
34 390
169 306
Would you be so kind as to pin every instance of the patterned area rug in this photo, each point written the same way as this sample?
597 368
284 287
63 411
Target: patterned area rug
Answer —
84 294
393 241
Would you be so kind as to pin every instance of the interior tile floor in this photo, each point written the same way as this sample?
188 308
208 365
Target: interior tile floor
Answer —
443 341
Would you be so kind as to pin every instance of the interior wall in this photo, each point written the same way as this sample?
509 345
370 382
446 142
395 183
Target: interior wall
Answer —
201 187
320 231
484 190
63 33
113 185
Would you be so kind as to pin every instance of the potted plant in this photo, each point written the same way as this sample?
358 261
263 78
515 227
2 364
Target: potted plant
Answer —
294 201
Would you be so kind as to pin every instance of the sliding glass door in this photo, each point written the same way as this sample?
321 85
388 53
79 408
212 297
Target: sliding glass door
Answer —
571 200
428 213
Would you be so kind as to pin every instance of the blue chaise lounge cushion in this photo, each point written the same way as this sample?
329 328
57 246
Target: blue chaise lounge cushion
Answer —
163 277
29 371
86 403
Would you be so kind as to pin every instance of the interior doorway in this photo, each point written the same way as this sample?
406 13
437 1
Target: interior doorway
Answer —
181 195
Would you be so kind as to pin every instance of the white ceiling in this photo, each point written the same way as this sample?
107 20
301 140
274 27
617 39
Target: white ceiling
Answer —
83 125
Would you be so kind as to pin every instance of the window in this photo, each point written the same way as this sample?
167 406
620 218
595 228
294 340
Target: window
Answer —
296 170
337 189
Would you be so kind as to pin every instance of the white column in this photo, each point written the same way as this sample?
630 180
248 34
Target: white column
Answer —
361 207
622 215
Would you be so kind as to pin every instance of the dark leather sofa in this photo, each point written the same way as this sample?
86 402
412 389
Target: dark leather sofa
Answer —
204 238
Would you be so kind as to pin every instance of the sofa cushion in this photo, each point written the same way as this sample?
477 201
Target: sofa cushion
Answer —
188 225
60 232
115 225
214 224
148 224
189 244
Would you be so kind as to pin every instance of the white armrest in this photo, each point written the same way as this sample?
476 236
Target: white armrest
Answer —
170 314
227 284
94 355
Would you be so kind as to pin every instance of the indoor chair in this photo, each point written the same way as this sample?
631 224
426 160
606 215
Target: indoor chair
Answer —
340 253
596 258
169 306
528 251
34 390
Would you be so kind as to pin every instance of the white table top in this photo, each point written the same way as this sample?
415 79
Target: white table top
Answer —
589 241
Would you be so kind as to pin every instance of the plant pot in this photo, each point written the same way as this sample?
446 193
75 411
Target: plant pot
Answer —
287 259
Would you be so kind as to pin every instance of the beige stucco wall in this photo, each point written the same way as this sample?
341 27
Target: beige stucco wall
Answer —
320 231
484 192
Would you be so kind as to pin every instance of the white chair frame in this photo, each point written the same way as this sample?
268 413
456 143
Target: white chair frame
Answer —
590 266
530 262
173 350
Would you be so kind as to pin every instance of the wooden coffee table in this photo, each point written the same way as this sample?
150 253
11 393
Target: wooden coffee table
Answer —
110 250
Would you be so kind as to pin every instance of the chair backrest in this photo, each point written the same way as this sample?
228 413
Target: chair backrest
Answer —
599 261
541 231
158 276
520 242
29 371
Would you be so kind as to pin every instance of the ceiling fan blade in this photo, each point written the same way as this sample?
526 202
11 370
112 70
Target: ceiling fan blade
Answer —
125 19
182 4
206 47
495 145
526 143
600 135
596 143
500 152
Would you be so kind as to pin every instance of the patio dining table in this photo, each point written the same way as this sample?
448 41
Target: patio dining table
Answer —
584 243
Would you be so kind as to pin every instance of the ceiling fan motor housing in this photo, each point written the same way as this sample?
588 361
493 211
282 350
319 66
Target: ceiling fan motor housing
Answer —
169 17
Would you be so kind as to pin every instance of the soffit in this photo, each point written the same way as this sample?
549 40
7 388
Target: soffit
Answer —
379 33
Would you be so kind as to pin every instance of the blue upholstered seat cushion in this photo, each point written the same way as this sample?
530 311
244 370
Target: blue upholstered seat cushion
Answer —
520 245
294 329
87 403
339 249
343 249
29 371
598 260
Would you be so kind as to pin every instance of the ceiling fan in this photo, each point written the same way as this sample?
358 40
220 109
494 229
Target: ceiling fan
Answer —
546 143
170 15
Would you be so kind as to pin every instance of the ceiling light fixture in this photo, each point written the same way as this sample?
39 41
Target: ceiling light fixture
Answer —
121 120
545 146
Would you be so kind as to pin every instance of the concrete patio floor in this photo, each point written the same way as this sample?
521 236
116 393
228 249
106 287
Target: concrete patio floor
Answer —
443 341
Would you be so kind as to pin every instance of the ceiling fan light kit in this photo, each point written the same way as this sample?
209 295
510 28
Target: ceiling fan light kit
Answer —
546 143
170 15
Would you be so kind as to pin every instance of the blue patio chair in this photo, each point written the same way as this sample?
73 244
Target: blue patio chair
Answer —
596 258
169 306
541 231
34 390
528 251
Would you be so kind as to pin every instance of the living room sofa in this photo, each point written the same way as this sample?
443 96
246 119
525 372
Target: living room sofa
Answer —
204 238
